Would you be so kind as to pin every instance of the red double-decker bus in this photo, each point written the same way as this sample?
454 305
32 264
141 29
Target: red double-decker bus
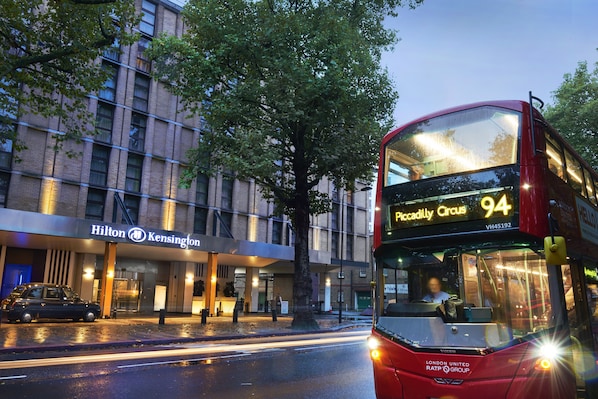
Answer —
469 303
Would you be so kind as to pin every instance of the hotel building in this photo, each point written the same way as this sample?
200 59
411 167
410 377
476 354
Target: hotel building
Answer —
115 224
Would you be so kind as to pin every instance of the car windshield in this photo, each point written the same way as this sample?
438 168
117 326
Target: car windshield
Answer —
499 295
17 292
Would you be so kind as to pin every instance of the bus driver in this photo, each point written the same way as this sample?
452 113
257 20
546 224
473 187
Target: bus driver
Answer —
436 295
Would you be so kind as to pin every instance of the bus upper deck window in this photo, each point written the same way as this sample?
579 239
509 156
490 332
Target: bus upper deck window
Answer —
590 187
458 142
574 173
555 157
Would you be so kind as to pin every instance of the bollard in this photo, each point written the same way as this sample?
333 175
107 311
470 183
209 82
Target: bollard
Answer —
274 318
235 315
204 316
162 316
113 315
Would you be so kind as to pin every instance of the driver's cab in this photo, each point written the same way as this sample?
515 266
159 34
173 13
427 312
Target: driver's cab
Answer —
494 294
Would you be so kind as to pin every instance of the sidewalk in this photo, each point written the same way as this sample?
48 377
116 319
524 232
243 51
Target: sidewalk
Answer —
128 330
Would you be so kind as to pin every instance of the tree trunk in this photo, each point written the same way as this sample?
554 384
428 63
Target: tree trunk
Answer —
302 284
302 289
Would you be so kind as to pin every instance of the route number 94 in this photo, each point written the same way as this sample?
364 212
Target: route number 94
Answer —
491 206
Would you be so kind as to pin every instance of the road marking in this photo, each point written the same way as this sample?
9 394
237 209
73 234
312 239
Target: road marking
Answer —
307 348
128 366
213 349
13 377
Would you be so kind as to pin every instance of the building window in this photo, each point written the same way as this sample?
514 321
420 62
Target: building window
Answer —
133 177
334 245
108 91
148 19
96 200
4 182
100 157
137 132
141 92
132 205
350 219
349 247
227 219
112 53
350 197
334 217
104 121
200 220
334 193
201 190
277 232
143 63
226 199
6 154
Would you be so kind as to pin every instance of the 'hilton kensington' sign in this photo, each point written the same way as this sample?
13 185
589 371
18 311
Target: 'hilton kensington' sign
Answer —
139 235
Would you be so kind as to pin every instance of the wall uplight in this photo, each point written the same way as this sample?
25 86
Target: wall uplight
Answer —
189 278
88 274
255 282
327 281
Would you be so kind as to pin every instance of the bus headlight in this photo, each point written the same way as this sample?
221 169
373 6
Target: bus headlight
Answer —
549 354
374 346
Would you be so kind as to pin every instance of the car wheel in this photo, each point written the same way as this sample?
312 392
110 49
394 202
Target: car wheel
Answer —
26 317
89 316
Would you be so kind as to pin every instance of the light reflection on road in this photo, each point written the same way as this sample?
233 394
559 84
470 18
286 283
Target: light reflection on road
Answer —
326 339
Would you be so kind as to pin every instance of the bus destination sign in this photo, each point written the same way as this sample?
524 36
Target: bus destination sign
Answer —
496 208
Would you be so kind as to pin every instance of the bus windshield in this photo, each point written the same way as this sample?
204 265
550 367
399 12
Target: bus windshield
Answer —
464 141
495 295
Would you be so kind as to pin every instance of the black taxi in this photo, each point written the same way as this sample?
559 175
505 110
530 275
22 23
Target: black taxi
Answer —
32 301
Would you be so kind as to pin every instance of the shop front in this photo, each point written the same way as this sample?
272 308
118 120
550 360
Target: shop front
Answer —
127 269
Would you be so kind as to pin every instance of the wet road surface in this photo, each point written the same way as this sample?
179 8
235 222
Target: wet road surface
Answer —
335 365
47 334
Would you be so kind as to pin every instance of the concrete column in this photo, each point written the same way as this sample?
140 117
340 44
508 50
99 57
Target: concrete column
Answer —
108 278
188 290
327 292
87 276
211 280
252 288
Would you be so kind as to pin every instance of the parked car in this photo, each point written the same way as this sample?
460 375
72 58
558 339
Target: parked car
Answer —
47 301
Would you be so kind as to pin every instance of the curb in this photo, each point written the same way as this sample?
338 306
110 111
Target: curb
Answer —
163 341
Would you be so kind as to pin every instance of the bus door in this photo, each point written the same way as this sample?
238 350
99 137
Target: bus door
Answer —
580 309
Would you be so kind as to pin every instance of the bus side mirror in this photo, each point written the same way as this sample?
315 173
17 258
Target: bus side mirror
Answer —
555 250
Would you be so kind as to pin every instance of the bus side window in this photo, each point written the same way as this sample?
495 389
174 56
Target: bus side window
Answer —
568 291
574 173
555 157
590 187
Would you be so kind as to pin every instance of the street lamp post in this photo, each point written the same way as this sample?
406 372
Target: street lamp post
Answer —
341 276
